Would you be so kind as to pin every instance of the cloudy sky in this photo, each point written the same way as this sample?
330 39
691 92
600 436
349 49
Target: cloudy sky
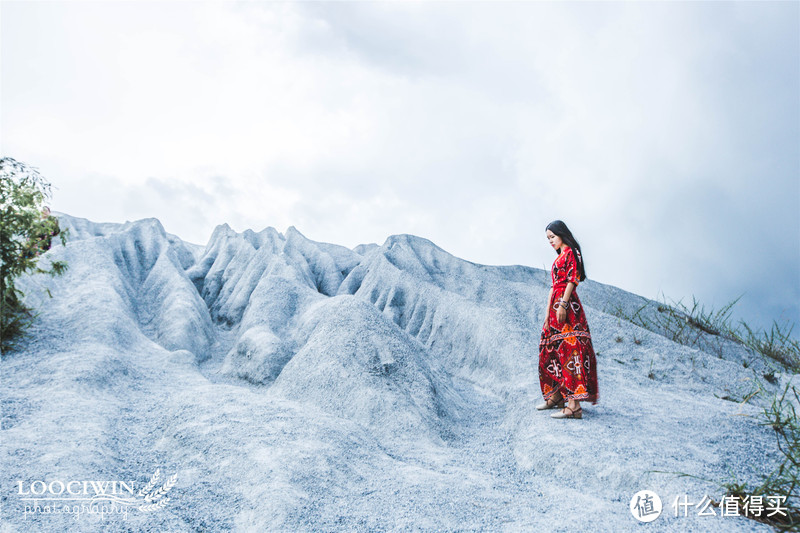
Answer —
665 135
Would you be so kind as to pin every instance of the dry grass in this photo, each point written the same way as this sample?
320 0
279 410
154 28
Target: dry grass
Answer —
706 330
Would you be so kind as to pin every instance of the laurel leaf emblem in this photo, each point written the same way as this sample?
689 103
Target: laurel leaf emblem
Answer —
152 483
154 496
154 506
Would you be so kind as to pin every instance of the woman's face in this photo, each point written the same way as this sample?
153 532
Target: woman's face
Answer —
555 240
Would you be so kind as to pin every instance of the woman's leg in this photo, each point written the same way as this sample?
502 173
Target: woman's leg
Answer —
571 410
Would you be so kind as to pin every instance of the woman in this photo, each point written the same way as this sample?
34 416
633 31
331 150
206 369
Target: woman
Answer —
567 365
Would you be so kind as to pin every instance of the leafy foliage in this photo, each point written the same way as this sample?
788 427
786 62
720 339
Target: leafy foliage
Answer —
26 231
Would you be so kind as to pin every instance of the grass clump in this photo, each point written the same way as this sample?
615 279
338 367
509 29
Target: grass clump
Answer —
776 344
776 500
709 330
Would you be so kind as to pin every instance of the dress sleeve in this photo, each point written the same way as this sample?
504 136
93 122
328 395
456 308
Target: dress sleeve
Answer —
571 264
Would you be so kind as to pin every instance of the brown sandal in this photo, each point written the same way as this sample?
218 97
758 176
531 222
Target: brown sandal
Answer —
547 405
577 413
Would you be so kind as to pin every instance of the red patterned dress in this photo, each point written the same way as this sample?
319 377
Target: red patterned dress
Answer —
566 356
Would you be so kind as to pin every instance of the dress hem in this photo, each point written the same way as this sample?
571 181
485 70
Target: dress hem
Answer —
593 398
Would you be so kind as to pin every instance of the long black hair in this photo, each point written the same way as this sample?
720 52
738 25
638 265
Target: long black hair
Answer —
561 229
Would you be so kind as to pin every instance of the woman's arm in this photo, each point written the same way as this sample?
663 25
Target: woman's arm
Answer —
561 313
568 291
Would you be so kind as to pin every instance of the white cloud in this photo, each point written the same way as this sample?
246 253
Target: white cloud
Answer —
653 130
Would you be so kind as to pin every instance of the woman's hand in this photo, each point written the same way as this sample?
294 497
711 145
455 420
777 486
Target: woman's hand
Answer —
561 315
